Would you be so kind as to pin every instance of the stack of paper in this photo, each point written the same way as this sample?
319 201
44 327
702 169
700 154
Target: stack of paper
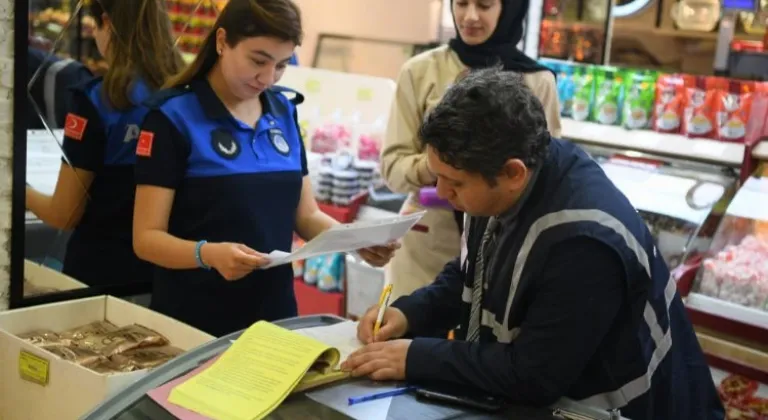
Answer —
265 365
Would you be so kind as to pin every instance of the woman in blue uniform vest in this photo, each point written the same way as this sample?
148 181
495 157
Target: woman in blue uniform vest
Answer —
94 193
222 176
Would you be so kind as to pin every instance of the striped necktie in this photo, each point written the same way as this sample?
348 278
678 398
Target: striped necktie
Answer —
487 246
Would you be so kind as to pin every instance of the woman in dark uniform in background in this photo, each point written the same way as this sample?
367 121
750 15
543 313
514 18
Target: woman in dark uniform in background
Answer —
222 176
94 196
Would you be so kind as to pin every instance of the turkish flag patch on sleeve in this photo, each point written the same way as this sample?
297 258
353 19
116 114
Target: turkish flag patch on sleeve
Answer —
74 126
144 146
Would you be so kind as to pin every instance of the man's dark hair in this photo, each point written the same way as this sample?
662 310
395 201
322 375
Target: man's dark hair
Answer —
485 119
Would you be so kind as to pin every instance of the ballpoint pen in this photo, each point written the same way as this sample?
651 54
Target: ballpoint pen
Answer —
383 302
379 395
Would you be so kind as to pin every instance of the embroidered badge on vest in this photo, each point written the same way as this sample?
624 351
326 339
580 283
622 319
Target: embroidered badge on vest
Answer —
224 144
278 141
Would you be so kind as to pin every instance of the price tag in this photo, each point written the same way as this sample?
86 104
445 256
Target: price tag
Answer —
33 368
312 86
364 94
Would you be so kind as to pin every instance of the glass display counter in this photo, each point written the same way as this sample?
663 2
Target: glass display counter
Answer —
133 403
677 200
735 269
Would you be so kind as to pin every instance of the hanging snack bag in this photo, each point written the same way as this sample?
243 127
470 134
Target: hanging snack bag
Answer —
583 81
608 87
639 95
700 116
670 103
733 107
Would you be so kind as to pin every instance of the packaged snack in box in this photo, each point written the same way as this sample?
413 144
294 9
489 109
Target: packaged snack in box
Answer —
733 107
700 116
639 94
670 103
584 85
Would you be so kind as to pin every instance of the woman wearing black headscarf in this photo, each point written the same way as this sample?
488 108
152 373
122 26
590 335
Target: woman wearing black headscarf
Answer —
488 32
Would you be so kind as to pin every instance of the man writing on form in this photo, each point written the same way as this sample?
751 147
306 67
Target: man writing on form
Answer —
559 291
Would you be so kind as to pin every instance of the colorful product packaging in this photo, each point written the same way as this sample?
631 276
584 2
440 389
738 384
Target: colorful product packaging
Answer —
670 103
584 85
733 108
700 116
566 89
608 96
639 96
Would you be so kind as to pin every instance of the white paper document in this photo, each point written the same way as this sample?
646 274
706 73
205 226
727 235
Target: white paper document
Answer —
342 336
349 237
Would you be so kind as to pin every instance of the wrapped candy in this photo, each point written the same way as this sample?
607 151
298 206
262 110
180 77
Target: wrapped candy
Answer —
369 147
738 274
331 137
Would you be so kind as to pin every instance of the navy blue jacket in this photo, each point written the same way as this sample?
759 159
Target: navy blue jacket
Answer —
580 305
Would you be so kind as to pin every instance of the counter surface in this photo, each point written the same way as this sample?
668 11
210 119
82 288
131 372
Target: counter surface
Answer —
132 403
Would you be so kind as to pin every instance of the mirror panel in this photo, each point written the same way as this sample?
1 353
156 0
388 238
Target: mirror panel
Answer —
54 46
64 54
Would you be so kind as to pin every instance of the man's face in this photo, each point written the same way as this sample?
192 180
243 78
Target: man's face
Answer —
470 192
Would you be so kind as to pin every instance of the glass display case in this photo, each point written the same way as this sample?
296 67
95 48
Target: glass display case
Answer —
679 201
735 269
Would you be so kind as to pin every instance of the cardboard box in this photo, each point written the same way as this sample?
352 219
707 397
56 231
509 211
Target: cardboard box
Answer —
66 390
44 277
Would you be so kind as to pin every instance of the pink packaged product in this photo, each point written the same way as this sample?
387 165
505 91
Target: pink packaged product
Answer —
331 137
369 147
738 274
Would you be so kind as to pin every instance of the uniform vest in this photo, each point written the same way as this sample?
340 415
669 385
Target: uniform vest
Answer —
651 369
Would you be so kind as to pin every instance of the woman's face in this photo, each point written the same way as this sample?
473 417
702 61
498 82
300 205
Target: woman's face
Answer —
254 64
103 35
476 19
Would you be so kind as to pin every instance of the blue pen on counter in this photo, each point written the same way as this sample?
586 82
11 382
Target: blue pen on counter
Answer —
379 395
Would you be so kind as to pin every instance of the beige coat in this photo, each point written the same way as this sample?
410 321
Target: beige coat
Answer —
420 85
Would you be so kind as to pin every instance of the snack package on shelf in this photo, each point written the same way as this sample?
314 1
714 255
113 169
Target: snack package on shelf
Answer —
584 84
733 108
106 348
700 115
639 95
566 88
670 103
608 96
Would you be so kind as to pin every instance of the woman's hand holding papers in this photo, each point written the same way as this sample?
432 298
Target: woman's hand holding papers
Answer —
232 261
378 256
382 361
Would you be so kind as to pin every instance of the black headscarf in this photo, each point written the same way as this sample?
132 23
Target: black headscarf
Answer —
501 47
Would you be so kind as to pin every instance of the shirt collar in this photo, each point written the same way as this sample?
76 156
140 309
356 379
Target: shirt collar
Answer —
508 217
212 105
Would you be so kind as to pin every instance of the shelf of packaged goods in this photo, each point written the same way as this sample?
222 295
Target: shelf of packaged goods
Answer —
760 151
667 145
720 315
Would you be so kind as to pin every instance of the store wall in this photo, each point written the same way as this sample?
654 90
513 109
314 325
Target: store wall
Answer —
413 21
6 152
